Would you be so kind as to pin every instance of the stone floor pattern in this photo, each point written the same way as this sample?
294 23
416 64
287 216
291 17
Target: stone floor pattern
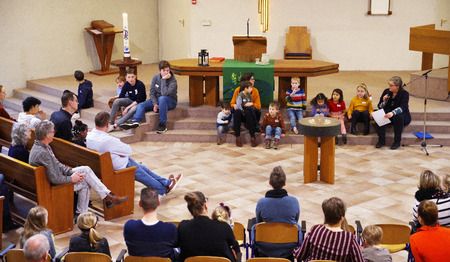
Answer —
377 185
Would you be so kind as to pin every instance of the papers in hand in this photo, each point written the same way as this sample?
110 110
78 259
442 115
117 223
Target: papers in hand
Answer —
378 116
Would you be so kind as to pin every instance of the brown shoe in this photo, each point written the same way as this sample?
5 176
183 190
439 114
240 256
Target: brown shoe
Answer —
171 176
219 141
172 186
114 200
238 141
253 140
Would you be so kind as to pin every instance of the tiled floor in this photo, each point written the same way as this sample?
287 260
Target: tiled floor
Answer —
377 185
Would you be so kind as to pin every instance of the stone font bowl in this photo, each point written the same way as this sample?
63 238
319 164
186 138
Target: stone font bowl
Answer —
319 126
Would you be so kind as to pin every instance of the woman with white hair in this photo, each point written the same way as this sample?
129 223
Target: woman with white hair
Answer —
20 135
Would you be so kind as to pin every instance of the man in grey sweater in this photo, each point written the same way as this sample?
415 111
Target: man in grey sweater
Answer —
163 97
83 177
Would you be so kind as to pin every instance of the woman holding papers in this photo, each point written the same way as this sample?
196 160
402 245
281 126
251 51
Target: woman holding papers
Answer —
394 101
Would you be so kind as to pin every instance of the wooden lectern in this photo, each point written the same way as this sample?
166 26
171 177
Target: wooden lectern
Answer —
428 40
247 49
103 34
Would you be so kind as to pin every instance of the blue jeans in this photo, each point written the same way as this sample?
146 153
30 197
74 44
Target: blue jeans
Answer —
165 104
270 130
148 178
294 115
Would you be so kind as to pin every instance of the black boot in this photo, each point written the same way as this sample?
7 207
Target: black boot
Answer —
336 140
344 139
366 128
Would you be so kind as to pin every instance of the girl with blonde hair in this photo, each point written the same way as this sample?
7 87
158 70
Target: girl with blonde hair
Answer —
89 240
36 223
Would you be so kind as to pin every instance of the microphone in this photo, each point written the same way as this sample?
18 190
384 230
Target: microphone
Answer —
424 74
248 28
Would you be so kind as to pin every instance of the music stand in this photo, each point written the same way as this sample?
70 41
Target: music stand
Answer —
424 143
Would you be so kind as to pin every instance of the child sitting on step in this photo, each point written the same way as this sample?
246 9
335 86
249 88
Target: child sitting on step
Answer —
273 124
336 107
223 121
319 106
295 103
360 109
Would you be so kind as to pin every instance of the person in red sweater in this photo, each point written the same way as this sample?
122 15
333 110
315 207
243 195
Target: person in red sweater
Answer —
273 123
431 242
3 112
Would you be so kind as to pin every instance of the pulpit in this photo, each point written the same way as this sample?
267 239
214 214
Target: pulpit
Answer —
103 34
247 49
313 128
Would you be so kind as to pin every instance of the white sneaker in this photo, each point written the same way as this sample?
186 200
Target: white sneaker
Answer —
111 128
75 116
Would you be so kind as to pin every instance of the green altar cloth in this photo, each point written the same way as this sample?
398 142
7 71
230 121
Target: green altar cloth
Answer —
233 70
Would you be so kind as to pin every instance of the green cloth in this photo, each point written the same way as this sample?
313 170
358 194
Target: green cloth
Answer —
233 70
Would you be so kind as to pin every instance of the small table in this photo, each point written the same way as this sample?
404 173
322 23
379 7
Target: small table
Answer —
325 128
122 65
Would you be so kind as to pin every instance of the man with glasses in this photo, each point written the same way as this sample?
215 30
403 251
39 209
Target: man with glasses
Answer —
61 118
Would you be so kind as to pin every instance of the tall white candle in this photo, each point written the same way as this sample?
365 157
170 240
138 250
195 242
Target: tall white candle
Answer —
126 43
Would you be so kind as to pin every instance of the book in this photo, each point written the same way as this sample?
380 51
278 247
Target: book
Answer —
216 59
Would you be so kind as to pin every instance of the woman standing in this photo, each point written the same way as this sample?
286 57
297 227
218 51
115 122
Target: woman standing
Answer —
394 101
202 236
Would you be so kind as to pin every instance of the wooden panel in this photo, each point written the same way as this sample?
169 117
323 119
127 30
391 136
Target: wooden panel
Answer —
195 90
247 49
427 39
310 159
327 155
211 90
427 61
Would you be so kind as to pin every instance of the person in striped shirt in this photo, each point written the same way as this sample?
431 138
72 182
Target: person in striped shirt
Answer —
430 189
296 103
329 241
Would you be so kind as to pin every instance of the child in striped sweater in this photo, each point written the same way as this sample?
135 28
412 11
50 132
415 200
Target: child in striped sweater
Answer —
296 103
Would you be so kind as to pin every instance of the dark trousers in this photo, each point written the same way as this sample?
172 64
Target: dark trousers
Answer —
248 115
364 117
257 117
398 121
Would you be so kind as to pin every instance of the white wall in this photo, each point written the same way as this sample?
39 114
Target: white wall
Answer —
341 31
46 38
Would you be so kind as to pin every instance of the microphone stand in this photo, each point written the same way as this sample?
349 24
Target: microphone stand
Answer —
248 28
424 143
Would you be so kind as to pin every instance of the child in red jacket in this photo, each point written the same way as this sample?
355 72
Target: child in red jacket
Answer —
273 123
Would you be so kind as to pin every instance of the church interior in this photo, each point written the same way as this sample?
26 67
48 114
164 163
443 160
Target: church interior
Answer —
43 48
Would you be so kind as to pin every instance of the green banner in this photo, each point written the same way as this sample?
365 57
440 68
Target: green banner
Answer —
264 79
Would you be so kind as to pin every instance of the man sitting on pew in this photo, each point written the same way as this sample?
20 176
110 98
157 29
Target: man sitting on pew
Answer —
36 248
99 140
83 177
61 118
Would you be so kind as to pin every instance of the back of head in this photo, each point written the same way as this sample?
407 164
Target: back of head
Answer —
102 119
445 183
243 85
79 76
36 248
42 129
195 201
247 76
36 221
372 234
163 64
149 199
66 97
333 210
19 134
429 180
29 102
428 211
221 214
87 222
277 178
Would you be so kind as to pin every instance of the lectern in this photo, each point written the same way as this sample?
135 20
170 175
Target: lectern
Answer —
248 48
429 41
103 34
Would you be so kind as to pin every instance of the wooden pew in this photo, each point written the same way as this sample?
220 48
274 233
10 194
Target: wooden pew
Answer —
31 182
120 182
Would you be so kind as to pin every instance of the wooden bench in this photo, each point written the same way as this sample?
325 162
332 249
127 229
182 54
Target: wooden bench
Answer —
31 182
120 182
